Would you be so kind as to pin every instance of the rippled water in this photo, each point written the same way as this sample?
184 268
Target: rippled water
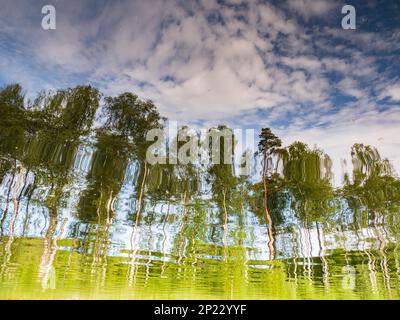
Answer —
92 245
88 218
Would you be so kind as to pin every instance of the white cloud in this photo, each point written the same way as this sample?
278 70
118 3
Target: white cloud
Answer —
310 8
351 88
392 91
379 130
249 59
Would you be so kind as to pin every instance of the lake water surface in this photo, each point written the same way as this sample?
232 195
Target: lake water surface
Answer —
91 238
83 215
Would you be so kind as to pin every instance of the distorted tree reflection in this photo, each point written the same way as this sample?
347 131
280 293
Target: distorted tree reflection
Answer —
105 178
13 123
175 181
49 133
128 120
45 137
374 188
268 147
68 113
63 118
182 215
221 173
123 136
307 176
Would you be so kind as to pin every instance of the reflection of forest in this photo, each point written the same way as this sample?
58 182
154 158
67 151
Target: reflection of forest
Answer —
92 183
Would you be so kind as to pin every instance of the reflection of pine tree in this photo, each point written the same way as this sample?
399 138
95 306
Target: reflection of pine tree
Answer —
268 145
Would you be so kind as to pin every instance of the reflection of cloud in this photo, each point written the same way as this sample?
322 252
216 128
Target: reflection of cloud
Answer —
209 61
393 92
379 130
310 8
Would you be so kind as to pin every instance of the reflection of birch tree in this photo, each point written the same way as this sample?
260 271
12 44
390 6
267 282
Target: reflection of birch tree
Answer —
132 118
373 196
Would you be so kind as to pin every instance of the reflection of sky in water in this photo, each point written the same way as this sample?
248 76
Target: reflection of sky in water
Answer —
293 239
284 65
287 65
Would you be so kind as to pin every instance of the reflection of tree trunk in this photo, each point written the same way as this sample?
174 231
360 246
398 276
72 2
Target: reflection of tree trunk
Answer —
296 255
101 242
7 204
47 256
306 250
325 266
371 265
135 231
194 255
225 224
46 272
372 271
396 260
103 253
182 228
148 262
309 265
10 241
267 215
242 223
384 264
165 237
27 213
142 188
98 232
371 262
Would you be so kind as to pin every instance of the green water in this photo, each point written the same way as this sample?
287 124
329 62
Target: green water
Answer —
83 216
31 272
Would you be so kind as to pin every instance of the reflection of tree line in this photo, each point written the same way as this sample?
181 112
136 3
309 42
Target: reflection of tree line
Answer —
42 137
